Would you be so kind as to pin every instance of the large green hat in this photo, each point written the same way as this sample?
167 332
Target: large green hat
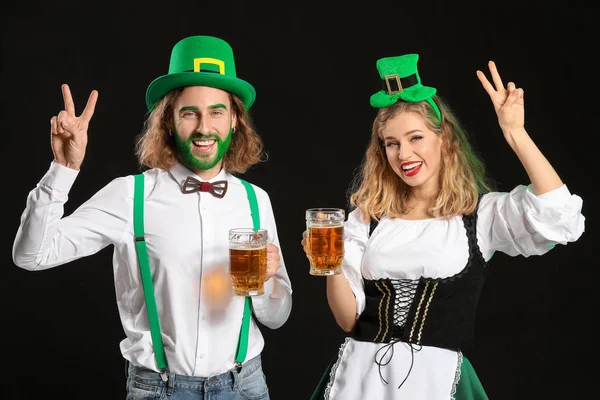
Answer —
401 81
201 61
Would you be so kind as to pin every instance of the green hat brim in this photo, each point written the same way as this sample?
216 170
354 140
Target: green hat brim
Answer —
163 84
382 99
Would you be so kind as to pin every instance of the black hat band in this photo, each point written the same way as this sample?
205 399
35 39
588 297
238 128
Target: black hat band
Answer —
393 84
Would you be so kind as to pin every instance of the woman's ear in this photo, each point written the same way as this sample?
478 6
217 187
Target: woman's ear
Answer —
444 144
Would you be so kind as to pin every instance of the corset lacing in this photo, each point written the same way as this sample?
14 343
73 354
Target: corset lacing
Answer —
405 292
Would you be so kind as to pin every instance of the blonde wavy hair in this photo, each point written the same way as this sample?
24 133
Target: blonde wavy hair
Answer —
377 190
155 147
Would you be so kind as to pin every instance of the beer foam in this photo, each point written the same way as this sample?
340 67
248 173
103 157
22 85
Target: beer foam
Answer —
325 224
247 246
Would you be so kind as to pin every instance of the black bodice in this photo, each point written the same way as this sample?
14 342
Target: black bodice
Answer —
431 312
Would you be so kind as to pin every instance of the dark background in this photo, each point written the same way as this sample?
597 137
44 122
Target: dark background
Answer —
313 66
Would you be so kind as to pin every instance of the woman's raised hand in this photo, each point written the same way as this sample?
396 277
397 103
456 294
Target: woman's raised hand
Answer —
508 102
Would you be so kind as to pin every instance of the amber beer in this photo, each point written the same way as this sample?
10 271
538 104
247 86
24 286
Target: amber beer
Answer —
325 240
248 261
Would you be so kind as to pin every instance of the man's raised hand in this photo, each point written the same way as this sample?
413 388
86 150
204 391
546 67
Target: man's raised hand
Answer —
69 132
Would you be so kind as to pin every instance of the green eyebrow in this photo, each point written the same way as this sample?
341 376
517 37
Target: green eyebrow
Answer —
194 108
188 108
217 106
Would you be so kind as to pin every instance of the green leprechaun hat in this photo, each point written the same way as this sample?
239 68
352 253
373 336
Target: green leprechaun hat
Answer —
401 81
201 61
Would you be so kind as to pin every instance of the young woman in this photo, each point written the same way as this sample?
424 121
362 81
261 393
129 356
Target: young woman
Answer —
424 223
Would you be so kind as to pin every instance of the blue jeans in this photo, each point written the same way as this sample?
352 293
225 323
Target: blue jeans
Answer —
247 382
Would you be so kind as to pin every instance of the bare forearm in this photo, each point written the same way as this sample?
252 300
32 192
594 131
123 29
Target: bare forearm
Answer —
341 301
542 175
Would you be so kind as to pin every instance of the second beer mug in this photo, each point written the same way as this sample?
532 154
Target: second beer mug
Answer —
325 240
248 260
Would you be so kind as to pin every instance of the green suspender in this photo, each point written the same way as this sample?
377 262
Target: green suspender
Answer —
142 252
243 340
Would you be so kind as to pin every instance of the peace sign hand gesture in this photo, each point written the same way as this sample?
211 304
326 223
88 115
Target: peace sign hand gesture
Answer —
69 133
508 103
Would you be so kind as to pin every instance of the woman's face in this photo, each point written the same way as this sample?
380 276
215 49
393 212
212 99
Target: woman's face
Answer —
413 151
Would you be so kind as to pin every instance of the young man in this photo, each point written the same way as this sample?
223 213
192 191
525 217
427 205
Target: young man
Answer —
185 334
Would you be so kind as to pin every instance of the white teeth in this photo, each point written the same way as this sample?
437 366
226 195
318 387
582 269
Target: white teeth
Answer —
204 142
410 166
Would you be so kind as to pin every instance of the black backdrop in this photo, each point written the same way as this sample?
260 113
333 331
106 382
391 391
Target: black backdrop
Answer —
314 69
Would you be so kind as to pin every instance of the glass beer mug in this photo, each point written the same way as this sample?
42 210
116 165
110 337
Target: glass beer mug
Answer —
248 260
325 240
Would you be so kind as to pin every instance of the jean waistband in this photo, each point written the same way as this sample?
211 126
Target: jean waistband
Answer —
228 378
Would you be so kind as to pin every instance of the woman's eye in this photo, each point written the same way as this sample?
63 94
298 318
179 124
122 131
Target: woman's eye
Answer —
415 138
391 144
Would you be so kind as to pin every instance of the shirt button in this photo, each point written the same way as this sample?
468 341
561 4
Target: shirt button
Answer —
200 356
203 317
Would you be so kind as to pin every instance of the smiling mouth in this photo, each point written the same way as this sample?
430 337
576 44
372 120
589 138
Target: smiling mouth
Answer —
204 145
410 169
411 166
204 142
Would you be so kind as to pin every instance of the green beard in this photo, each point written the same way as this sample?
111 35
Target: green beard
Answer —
201 161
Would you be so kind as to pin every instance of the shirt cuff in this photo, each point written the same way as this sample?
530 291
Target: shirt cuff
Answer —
59 177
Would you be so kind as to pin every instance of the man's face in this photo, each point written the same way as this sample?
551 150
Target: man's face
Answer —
203 121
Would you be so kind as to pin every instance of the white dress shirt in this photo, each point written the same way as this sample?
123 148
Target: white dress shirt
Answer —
515 223
187 238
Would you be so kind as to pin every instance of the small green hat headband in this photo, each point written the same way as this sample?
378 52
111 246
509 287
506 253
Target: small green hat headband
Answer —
401 81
